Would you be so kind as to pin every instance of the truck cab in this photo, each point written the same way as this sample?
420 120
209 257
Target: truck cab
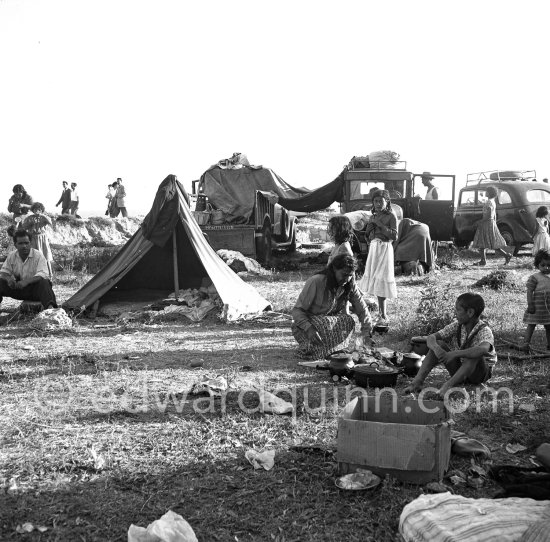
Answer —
362 177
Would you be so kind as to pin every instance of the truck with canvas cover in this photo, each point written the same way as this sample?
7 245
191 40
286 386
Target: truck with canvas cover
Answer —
240 203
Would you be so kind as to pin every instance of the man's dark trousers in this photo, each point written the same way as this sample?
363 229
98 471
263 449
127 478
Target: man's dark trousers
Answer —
38 291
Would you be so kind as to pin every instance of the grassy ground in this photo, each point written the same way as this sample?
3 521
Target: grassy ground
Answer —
98 432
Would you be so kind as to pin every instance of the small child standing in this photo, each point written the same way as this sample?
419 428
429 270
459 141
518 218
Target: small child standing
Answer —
538 299
541 239
381 231
37 225
340 231
474 355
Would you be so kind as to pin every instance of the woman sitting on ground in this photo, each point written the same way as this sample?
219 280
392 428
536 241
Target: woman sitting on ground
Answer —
340 231
321 320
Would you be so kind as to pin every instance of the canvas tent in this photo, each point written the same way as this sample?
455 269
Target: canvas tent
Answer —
146 265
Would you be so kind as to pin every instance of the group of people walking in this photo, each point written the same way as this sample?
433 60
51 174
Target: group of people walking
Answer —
69 199
116 199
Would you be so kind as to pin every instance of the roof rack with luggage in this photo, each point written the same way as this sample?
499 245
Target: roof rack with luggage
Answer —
500 175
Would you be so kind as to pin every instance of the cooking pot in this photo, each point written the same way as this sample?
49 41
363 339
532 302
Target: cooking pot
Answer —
375 375
411 363
380 328
340 364
419 346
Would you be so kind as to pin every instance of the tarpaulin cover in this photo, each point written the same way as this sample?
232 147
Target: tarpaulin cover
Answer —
233 191
318 199
145 262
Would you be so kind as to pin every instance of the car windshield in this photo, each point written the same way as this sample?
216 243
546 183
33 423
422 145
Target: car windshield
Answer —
538 196
364 189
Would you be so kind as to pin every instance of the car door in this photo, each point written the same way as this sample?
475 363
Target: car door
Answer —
437 214
468 212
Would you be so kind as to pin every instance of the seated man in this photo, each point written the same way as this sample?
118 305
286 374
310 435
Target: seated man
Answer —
25 275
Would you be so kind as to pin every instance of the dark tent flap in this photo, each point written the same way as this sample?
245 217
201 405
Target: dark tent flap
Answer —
318 199
157 226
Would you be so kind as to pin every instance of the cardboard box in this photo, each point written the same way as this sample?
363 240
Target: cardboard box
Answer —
386 434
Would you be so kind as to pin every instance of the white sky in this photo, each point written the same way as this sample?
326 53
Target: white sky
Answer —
98 89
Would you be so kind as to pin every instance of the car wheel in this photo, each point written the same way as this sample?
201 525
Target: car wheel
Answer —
508 236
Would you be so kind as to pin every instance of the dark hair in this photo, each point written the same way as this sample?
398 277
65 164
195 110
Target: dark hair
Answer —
471 301
37 206
491 192
382 194
340 229
64 182
542 254
11 230
341 261
21 233
541 211
18 188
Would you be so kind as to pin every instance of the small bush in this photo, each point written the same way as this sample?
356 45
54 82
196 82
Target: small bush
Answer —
101 221
85 259
500 280
435 310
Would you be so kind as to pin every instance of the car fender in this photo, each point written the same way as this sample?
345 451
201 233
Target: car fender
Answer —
521 234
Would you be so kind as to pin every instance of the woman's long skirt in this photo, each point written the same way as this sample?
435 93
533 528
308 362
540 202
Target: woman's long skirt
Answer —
335 331
379 277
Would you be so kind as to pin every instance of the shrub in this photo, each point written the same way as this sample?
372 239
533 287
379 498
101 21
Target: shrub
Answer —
86 259
500 280
435 310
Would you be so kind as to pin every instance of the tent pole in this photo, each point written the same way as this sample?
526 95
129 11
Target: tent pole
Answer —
175 258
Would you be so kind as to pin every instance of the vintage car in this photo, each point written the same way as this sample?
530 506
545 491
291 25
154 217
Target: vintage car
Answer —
519 197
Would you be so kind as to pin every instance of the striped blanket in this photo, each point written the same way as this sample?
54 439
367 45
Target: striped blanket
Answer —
451 518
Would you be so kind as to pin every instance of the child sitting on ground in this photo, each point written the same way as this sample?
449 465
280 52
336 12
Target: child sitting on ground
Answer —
538 291
474 355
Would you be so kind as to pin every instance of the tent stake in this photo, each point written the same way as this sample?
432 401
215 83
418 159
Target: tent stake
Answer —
175 257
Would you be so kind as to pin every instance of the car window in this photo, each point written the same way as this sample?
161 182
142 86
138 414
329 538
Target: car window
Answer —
468 197
364 189
538 196
503 197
